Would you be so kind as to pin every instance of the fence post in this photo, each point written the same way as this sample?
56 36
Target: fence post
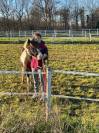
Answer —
10 34
89 31
45 33
97 32
25 33
90 37
85 33
19 33
69 33
32 32
7 34
82 33
48 94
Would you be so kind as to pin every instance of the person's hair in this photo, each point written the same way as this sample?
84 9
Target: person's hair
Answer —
37 34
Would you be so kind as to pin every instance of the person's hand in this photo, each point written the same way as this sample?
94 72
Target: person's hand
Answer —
45 56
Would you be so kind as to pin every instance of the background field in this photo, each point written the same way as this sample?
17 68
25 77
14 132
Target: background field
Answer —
54 40
67 115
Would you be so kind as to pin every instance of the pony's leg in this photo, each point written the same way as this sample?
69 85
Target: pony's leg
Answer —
28 83
22 75
30 80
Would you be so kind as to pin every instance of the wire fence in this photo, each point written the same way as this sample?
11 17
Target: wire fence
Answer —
48 88
53 71
49 83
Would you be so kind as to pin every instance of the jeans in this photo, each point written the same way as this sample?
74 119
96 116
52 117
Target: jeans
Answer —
38 80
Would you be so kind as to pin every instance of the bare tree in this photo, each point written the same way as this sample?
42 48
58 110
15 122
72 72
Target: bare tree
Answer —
47 10
20 11
75 12
36 14
6 9
47 14
28 8
82 17
65 14
91 5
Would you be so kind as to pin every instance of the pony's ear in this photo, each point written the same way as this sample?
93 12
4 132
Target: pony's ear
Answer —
34 43
28 41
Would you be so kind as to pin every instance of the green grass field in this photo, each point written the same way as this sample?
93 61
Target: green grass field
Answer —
54 40
22 114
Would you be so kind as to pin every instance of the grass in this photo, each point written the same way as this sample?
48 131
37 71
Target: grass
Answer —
59 40
21 114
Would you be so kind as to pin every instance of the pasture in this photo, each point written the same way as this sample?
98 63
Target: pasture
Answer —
52 39
67 115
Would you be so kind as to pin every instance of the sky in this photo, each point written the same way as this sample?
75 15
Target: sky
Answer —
83 3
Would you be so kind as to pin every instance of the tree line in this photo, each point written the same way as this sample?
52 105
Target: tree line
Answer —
48 14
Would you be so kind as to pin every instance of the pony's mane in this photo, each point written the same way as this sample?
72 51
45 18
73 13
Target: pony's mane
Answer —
34 43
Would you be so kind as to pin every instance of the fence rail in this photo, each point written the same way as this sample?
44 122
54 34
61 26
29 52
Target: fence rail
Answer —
15 94
76 98
18 72
51 33
76 73
54 71
48 89
57 96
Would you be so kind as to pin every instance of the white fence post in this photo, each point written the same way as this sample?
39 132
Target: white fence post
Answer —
89 31
7 34
25 33
45 33
90 37
97 32
48 93
19 33
82 33
32 32
55 33
85 33
10 34
69 33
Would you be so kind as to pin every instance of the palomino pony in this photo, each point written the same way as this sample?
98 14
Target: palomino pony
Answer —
25 59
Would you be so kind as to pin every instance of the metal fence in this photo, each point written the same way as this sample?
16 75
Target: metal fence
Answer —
49 88
51 33
49 95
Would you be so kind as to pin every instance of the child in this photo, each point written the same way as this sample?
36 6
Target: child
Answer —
44 50
37 67
41 45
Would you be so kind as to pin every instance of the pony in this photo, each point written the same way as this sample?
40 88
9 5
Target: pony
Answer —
25 59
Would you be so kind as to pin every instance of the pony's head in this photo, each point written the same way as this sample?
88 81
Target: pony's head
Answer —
33 43
34 52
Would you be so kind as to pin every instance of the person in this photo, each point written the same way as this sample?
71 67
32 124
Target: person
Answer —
37 69
41 46
44 50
